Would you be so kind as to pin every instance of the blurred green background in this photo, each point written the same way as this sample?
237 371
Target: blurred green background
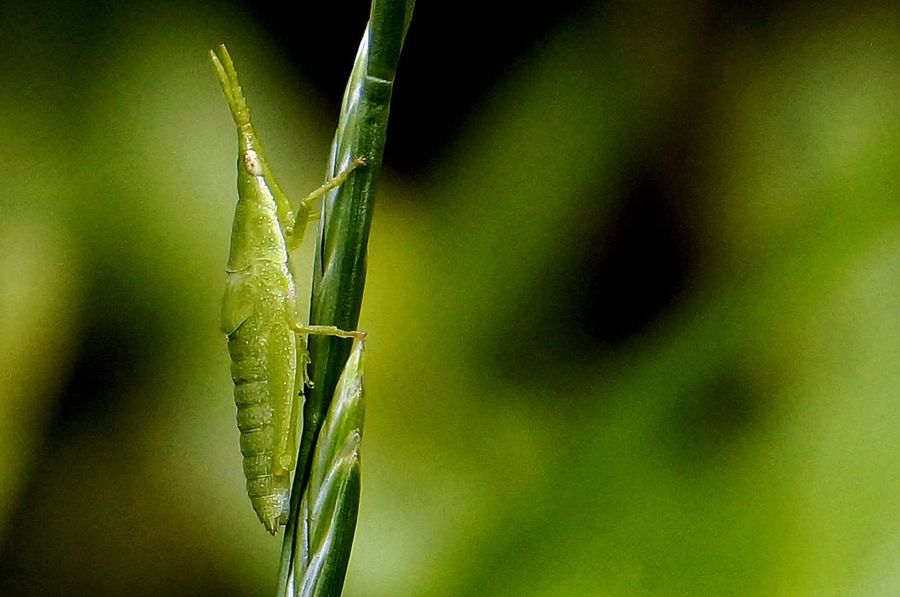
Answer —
633 299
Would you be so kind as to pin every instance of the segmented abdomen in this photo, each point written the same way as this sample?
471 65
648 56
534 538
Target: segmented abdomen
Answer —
263 353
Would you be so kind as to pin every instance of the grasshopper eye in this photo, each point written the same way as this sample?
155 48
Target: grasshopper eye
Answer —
252 164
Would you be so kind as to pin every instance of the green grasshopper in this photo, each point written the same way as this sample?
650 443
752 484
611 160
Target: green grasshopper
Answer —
260 313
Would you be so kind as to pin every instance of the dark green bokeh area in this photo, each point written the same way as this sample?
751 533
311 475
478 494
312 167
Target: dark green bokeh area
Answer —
634 325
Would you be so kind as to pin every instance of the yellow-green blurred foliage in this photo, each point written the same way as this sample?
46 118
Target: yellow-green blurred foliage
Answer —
744 442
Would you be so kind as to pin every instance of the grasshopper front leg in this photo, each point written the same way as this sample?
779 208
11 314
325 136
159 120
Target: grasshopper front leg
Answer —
293 231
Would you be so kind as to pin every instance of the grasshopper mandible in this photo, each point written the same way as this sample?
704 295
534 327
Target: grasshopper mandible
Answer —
260 314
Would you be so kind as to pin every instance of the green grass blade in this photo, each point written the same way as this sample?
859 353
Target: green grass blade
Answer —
340 268
331 500
338 282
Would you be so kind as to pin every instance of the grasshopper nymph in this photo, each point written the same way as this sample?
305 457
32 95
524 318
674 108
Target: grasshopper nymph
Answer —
260 314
